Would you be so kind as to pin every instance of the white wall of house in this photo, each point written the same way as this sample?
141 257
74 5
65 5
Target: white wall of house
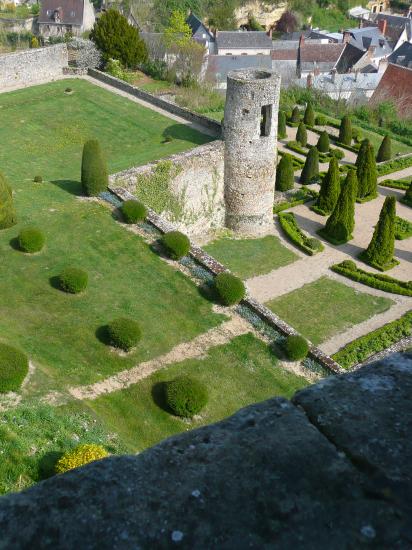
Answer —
88 16
243 51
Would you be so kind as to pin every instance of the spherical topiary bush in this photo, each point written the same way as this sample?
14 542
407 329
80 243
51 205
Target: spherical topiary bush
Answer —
296 347
185 396
14 367
38 179
123 333
134 211
31 240
79 456
230 288
177 244
73 280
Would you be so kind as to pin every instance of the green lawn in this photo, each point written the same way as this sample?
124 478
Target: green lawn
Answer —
321 309
236 374
249 257
49 128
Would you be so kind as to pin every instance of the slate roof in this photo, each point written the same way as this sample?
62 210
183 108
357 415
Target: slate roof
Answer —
284 55
70 12
243 39
365 37
396 86
402 55
344 82
197 25
350 56
220 65
321 53
395 25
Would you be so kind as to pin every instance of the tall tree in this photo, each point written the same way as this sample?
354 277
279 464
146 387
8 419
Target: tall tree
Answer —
281 125
309 116
163 9
310 170
116 39
178 31
345 131
330 188
340 224
381 248
362 152
385 150
7 212
284 174
302 135
94 175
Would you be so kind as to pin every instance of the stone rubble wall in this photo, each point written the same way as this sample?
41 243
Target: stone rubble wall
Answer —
330 469
32 66
199 180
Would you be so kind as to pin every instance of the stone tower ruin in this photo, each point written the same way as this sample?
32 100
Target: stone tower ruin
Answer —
250 133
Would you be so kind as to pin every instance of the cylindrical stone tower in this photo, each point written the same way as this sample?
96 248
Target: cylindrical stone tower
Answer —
250 133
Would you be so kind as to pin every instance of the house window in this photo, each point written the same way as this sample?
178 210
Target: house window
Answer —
49 12
229 54
265 120
243 53
72 14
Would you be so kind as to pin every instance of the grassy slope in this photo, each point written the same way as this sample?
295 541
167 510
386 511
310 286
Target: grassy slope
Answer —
335 306
249 257
236 374
50 127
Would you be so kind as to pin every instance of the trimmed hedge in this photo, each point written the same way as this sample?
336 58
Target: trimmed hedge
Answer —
403 229
177 244
94 174
31 240
373 280
345 131
281 124
302 135
231 289
297 162
291 228
296 347
123 333
385 150
393 184
362 348
393 165
73 280
185 396
38 179
79 456
284 174
323 143
295 116
14 367
297 148
310 171
379 253
133 211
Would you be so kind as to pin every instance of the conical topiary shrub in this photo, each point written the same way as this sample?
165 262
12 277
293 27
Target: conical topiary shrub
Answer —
309 116
323 144
345 131
330 189
284 174
295 114
362 153
340 224
379 253
366 172
94 175
7 212
407 199
385 150
310 172
281 125
302 135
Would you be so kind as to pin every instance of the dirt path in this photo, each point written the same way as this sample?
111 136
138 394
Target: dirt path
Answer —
401 174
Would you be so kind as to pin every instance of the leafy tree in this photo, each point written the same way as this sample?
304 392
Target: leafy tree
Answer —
330 188
284 174
222 15
295 114
281 125
94 175
381 248
345 131
7 212
323 144
385 150
178 31
113 35
366 171
253 24
162 10
310 171
288 22
341 222
309 116
302 135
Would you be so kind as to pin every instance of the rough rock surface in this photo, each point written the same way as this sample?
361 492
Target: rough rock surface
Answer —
331 469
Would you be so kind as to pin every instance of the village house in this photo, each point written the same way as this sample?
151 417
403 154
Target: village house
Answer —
58 17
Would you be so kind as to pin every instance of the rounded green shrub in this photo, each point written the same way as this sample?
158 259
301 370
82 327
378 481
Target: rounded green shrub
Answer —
79 456
31 240
338 154
309 116
134 211
94 175
348 264
38 179
230 288
177 244
123 333
185 396
73 280
323 144
14 367
295 117
296 347
7 213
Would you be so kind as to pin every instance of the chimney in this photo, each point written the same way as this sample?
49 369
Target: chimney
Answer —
309 81
382 24
371 51
346 37
333 75
356 75
301 40
270 32
383 65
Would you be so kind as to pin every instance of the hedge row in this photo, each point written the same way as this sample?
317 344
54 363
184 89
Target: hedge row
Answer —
290 226
393 165
395 184
360 349
309 195
374 280
403 229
